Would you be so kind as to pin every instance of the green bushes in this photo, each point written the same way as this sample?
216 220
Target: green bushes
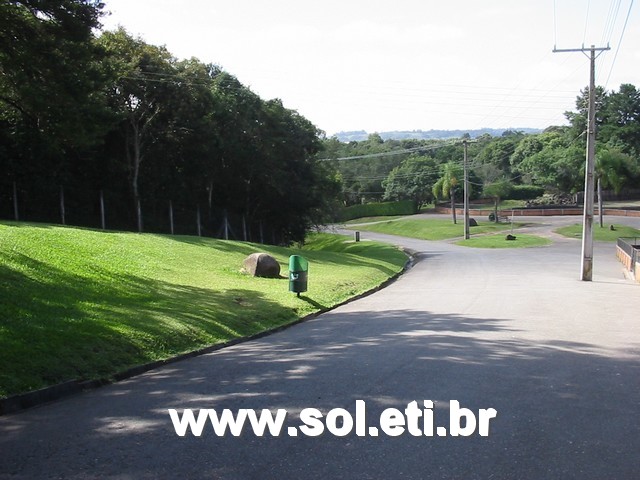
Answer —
524 192
402 207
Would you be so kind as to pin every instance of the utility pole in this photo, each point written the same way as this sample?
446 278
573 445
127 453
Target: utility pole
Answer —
466 193
586 266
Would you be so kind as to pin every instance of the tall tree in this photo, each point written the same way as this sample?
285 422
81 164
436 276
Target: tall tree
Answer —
144 81
621 118
51 109
613 169
413 179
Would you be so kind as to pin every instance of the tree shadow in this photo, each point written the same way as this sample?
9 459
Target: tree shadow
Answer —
565 409
46 310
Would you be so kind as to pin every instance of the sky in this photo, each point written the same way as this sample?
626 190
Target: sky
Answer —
381 65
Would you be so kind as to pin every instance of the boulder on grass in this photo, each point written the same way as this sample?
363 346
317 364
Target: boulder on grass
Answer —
262 265
473 222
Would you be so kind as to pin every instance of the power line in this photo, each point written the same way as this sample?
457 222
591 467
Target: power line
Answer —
615 56
611 21
586 23
390 153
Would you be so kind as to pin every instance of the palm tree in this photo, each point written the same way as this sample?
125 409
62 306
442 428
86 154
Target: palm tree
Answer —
447 183
497 190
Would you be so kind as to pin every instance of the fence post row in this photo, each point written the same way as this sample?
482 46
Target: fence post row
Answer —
171 216
226 230
102 215
16 216
198 221
62 210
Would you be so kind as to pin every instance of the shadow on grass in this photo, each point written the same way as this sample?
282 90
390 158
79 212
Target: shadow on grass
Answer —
312 302
56 326
338 253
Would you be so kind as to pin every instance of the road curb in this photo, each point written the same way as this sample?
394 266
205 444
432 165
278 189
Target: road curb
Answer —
24 401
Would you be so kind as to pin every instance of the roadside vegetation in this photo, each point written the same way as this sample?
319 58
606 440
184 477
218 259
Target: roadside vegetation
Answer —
604 234
431 229
83 304
499 241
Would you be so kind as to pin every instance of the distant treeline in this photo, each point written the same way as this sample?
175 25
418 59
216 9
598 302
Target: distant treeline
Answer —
515 164
361 135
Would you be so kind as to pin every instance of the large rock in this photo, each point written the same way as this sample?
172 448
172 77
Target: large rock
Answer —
262 265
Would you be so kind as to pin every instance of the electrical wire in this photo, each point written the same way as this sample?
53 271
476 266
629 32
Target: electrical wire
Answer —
615 57
586 22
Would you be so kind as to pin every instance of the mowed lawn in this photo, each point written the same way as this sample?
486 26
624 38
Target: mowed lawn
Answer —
600 234
432 228
85 304
500 241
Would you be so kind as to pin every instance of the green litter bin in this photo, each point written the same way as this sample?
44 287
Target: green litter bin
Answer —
298 271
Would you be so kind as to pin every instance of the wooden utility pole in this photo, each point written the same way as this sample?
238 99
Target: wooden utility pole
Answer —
586 266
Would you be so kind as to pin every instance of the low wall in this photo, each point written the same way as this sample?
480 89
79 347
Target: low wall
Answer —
628 252
541 212
625 259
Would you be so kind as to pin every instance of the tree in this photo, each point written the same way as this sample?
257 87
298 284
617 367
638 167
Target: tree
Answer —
141 89
558 163
613 169
413 179
621 119
51 110
447 184
498 151
497 190
579 119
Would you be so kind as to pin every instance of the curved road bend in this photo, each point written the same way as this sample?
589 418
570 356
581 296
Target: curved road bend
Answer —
512 330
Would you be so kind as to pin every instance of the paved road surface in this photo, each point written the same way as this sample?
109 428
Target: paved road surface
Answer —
513 330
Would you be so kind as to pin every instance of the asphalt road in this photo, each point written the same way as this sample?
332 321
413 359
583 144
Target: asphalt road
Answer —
513 330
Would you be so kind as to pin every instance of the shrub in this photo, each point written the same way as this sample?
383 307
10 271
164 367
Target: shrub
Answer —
402 207
525 192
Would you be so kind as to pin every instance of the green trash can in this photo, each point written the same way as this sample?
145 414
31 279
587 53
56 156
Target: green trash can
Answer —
298 271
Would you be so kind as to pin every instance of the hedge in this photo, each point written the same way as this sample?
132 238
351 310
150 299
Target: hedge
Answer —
525 192
402 207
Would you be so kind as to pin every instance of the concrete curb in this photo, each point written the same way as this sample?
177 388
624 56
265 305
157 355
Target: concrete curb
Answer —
53 393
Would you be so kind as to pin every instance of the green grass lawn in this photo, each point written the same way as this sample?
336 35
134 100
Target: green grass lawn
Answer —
432 229
604 234
85 304
499 241
503 205
373 219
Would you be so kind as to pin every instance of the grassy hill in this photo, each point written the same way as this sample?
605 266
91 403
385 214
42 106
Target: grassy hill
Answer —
85 304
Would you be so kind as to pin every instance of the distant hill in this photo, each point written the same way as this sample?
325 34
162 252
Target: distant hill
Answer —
429 134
